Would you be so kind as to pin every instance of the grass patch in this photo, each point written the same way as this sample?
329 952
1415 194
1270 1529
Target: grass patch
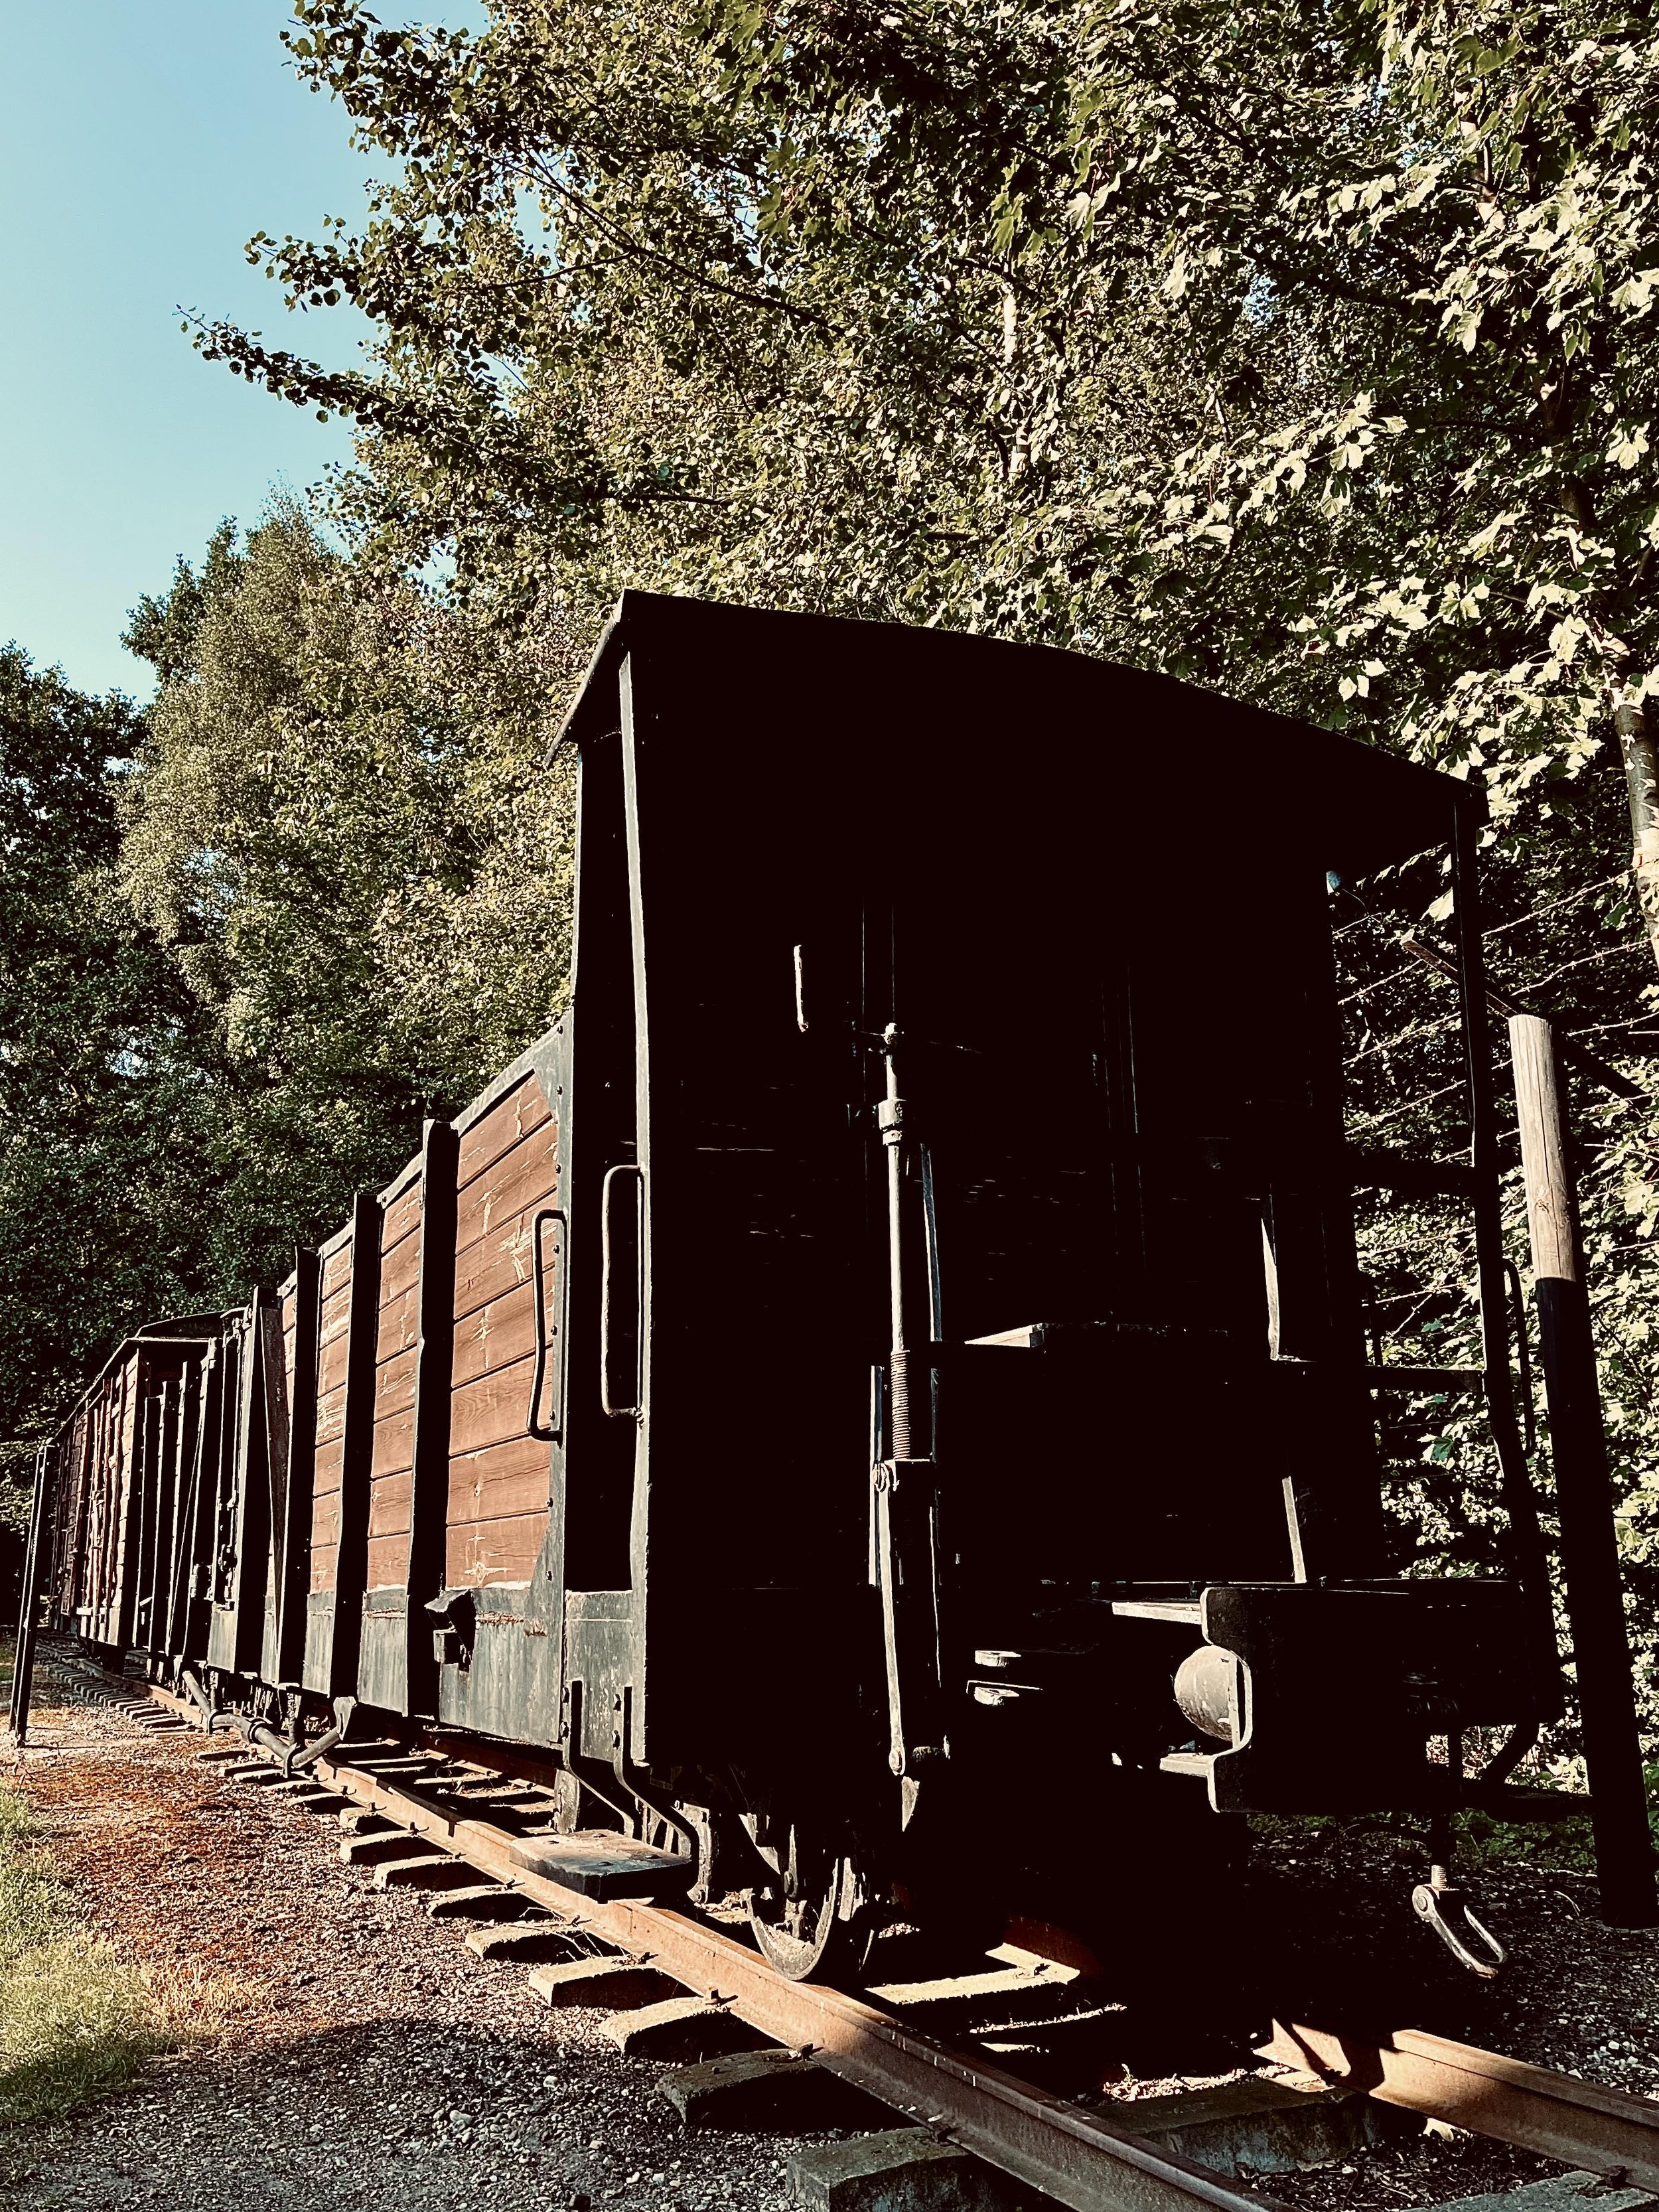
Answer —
75 2022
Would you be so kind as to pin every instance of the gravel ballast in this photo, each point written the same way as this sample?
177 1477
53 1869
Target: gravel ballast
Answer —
355 2051
344 2049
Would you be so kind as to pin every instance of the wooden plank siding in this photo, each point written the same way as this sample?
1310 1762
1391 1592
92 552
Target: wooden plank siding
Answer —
352 1279
333 1350
498 1472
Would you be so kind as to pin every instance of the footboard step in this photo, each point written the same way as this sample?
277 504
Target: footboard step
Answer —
684 2031
600 1863
901 2170
616 1981
772 2090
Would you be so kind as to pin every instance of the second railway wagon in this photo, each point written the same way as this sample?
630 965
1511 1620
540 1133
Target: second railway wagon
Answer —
898 1338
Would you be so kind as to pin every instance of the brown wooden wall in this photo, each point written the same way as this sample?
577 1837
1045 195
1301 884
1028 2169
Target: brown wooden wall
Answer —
330 1413
498 1472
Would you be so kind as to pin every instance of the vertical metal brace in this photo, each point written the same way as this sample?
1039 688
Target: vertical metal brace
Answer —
890 1120
357 1444
906 1570
22 1678
434 1374
294 1547
193 1536
906 1494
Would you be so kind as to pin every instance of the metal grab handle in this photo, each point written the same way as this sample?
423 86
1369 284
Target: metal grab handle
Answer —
553 1432
631 1412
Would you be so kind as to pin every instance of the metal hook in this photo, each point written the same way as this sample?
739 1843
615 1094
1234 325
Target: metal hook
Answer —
1470 1943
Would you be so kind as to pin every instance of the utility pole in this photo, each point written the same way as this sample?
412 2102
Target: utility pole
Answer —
1590 1544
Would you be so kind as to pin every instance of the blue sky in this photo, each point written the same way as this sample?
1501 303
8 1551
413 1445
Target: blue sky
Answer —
144 141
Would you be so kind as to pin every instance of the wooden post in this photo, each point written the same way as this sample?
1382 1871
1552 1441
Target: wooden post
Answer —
1589 1546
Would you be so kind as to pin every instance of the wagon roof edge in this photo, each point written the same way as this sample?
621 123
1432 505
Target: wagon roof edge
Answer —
1365 808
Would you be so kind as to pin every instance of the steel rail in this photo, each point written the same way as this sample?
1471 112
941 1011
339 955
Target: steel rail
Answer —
1587 2124
1079 2158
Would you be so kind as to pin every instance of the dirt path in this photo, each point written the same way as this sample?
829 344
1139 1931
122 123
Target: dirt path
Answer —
354 2051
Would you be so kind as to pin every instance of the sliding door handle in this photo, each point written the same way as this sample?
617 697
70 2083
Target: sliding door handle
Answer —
549 1432
621 1281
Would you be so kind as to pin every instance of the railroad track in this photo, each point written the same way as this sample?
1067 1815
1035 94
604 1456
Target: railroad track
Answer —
465 1829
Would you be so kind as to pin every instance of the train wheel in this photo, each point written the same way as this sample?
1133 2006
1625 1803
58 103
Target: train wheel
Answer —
812 1923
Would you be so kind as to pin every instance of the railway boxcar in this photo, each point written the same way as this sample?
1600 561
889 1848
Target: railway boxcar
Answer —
120 1474
900 1335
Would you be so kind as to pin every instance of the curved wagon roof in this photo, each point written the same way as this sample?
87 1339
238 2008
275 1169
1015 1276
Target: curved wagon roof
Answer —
1126 735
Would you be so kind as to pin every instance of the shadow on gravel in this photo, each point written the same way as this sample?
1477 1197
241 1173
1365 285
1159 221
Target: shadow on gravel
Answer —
1312 1924
396 2113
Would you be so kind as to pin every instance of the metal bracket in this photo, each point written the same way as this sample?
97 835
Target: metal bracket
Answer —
552 1431
905 1498
454 1611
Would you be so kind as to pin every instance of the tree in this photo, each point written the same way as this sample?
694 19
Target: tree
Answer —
1309 351
105 1163
338 828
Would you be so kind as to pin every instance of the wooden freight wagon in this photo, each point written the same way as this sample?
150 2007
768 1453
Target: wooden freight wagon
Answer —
117 1491
901 1328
